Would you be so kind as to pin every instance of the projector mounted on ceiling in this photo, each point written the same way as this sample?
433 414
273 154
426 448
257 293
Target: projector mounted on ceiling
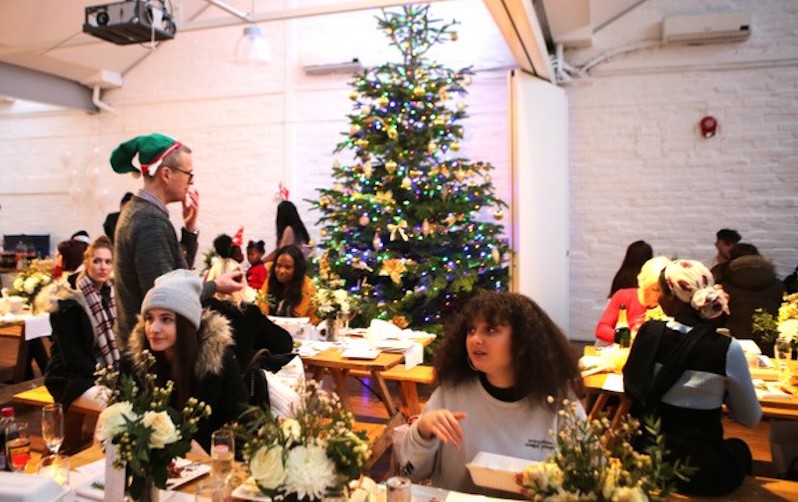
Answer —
130 22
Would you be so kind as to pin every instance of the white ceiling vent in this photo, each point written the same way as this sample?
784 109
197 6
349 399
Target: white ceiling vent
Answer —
707 28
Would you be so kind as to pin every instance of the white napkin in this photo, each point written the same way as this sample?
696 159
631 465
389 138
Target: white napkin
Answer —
37 326
384 330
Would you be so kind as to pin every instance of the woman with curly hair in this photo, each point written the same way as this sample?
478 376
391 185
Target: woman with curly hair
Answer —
501 359
682 372
289 291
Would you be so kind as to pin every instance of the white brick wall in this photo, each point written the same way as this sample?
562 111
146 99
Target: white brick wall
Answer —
639 168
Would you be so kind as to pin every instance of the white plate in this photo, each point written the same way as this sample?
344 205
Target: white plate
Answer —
360 353
393 345
249 491
190 471
491 470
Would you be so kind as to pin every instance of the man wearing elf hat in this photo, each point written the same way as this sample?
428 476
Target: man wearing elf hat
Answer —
146 245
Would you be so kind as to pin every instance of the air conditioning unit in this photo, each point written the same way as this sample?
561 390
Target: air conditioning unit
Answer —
707 28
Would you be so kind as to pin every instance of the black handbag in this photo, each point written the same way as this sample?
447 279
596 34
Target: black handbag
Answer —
255 378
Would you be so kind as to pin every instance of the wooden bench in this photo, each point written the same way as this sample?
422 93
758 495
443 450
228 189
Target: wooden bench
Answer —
408 380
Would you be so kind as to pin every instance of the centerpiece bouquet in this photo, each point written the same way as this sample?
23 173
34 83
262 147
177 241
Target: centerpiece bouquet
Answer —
593 461
31 280
305 456
781 330
146 433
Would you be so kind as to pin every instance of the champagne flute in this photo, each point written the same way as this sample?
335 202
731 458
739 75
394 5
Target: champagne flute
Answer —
17 446
53 427
223 449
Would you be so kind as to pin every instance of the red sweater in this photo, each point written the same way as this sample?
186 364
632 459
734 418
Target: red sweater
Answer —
635 313
257 275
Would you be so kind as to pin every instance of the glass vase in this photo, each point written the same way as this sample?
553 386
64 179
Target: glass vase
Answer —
782 352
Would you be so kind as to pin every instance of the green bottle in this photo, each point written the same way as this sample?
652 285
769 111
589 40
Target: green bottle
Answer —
623 336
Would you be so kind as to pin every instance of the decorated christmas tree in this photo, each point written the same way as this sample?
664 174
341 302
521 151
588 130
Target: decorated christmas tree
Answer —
409 223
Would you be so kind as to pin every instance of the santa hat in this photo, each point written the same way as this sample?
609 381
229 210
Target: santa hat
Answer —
151 150
238 238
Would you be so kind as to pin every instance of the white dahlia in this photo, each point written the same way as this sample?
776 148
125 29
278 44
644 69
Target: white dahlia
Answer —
310 472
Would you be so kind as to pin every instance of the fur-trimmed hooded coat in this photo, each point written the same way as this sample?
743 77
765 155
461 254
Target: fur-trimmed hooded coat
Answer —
74 353
217 379
752 284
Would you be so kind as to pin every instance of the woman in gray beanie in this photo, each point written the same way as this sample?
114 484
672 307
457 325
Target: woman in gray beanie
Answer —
193 348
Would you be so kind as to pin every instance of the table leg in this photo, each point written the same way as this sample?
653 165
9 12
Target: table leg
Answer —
22 358
385 394
339 377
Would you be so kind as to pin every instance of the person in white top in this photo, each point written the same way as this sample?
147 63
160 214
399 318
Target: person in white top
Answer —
501 358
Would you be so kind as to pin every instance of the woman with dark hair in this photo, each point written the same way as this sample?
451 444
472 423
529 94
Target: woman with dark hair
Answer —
682 372
290 230
192 348
501 360
256 273
252 330
82 314
637 254
289 291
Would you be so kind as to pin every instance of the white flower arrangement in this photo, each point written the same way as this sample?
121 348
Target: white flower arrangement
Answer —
146 432
595 462
30 281
330 302
308 454
788 322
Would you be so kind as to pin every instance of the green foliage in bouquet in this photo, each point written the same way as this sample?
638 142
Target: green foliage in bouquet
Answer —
593 461
147 433
764 324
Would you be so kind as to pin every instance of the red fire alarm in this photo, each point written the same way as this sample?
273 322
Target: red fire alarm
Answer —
709 126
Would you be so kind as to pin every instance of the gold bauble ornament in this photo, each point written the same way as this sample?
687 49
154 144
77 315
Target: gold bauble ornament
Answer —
364 220
498 215
392 134
323 232
454 146
460 175
461 106
467 80
419 91
354 129
390 166
415 173
362 143
353 96
383 101
453 36
406 183
431 147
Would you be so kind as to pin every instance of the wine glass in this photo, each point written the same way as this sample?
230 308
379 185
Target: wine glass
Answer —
223 449
53 427
17 446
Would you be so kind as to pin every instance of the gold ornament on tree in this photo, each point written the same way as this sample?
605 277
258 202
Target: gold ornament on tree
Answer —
454 146
367 170
377 242
498 215
390 166
383 101
364 219
497 255
362 143
407 184
393 268
418 91
425 228
400 226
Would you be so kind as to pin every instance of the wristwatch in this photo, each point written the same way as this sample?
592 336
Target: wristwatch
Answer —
195 231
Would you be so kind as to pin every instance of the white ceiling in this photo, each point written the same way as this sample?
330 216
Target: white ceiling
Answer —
46 35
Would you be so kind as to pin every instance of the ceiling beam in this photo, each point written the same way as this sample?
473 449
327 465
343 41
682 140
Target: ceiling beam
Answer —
32 85
521 29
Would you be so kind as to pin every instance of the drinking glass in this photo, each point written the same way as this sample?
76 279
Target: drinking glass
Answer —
212 490
17 446
55 467
223 449
53 427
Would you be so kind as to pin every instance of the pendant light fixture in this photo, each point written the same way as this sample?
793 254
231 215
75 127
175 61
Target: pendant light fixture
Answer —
252 48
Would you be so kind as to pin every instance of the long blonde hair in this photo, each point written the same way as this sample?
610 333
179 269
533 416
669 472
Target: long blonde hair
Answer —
222 266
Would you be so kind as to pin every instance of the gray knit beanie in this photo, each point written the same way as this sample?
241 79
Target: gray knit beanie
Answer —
178 291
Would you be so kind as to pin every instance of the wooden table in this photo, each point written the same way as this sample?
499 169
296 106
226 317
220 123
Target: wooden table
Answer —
331 360
15 330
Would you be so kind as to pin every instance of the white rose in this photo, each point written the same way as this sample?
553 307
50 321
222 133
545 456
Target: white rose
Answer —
291 429
629 494
112 420
267 467
543 475
164 431
30 284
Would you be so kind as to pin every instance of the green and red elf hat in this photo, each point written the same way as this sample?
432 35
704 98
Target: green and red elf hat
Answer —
151 150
